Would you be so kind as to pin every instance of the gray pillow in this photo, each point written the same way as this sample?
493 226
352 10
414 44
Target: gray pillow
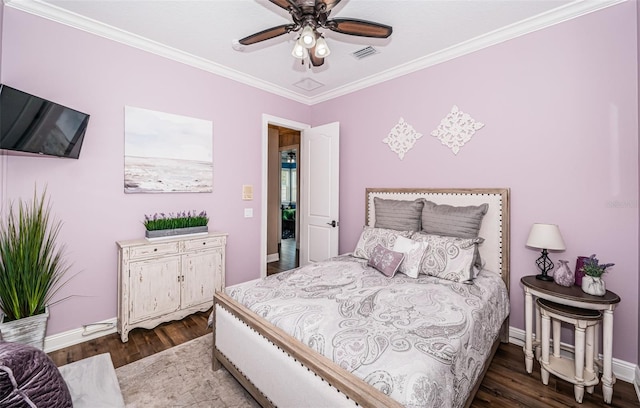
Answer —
447 220
448 257
400 215
371 237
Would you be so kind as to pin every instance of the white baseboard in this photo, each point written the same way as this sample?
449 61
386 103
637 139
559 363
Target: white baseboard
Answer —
77 336
273 257
623 370
636 383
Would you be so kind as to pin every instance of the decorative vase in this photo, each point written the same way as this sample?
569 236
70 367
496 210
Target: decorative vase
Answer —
168 233
579 274
29 330
564 276
593 285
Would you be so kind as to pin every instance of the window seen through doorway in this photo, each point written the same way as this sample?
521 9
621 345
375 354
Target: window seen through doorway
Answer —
288 178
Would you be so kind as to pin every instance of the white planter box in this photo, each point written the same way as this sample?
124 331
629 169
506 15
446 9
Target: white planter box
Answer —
167 233
30 330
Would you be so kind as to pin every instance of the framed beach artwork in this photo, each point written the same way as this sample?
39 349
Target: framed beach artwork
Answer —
166 153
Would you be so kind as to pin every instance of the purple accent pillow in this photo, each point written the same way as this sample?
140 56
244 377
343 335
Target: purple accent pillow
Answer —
28 378
385 260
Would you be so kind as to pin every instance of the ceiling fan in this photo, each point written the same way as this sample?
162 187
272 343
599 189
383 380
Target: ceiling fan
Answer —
309 16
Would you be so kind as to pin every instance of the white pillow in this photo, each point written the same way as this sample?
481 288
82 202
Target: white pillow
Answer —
413 253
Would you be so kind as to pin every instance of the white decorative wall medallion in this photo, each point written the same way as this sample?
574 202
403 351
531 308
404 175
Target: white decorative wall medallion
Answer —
402 138
456 129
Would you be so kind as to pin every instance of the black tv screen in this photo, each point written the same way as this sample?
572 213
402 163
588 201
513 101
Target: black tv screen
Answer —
35 125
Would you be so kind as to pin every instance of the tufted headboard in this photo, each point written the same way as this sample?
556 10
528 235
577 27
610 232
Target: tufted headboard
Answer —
495 224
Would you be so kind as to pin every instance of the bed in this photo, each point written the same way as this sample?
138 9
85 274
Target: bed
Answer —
358 330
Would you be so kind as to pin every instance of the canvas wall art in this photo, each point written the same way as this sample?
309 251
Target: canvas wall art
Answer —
166 153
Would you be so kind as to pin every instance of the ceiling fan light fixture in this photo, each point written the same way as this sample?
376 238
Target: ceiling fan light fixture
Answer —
308 37
310 18
322 48
299 51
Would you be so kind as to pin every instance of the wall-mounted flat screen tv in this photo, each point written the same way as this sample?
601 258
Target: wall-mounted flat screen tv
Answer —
35 125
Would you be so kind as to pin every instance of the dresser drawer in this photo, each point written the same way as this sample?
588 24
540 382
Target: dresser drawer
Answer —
204 242
165 248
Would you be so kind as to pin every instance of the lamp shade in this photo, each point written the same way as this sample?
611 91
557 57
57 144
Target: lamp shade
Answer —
322 49
545 236
308 37
299 51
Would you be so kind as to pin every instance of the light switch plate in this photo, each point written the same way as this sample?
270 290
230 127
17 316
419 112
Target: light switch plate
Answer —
248 212
247 192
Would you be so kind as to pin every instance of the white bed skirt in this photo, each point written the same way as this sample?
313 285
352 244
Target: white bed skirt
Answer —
268 367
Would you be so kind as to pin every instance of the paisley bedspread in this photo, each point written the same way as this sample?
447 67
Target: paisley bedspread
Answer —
421 341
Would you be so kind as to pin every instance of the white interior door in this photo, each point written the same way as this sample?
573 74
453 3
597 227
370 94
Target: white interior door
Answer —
319 193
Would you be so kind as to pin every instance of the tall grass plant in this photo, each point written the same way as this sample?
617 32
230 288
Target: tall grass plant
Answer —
31 262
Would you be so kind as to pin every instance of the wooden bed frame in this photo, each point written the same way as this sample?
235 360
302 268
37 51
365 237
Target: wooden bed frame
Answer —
254 350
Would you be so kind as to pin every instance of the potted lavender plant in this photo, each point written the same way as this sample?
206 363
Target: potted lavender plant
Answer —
167 225
592 282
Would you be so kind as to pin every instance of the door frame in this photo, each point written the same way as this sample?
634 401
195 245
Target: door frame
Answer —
266 121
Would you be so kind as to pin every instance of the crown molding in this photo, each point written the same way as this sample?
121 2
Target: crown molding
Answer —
561 14
68 18
539 22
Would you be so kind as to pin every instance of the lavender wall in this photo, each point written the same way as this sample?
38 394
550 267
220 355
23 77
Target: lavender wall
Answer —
1 20
2 154
560 112
100 77
638 116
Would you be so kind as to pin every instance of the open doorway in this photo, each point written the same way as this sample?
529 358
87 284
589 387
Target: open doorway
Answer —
283 198
318 190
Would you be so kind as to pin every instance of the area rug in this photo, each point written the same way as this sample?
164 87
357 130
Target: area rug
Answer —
181 377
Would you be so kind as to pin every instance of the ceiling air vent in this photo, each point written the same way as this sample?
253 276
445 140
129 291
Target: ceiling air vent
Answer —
308 84
364 52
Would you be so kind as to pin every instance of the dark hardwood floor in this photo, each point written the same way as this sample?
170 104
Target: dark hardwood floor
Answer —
289 257
506 383
142 342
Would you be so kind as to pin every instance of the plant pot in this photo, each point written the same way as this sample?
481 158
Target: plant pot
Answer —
168 233
29 330
593 285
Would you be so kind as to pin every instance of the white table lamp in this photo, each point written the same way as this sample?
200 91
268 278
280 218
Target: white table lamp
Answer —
545 236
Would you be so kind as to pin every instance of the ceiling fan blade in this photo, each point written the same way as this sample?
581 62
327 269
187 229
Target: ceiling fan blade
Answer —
315 61
285 4
267 34
361 28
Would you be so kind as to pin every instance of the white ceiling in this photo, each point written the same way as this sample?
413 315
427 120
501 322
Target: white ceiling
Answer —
200 33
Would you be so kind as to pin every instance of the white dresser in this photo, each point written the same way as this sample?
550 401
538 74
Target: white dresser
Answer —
167 279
